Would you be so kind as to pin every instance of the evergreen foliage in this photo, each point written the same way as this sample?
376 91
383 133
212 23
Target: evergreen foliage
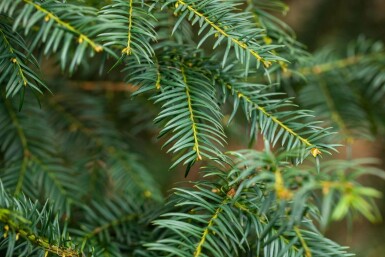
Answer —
75 179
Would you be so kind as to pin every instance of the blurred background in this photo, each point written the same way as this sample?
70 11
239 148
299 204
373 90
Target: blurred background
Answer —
321 22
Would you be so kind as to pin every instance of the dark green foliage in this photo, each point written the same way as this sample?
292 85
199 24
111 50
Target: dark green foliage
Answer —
77 173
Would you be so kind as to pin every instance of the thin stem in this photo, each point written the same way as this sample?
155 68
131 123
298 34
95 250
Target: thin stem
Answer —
106 226
127 50
206 231
158 76
24 145
325 67
303 242
335 116
192 118
338 64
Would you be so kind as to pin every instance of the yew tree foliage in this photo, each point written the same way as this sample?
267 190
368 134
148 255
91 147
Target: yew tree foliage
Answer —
75 176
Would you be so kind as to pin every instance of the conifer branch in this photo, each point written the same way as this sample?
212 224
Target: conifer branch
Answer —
15 59
24 145
65 25
16 62
277 32
339 63
335 115
281 124
236 41
22 219
108 225
42 242
326 77
129 26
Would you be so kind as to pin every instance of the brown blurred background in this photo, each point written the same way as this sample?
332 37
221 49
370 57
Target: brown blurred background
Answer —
320 22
